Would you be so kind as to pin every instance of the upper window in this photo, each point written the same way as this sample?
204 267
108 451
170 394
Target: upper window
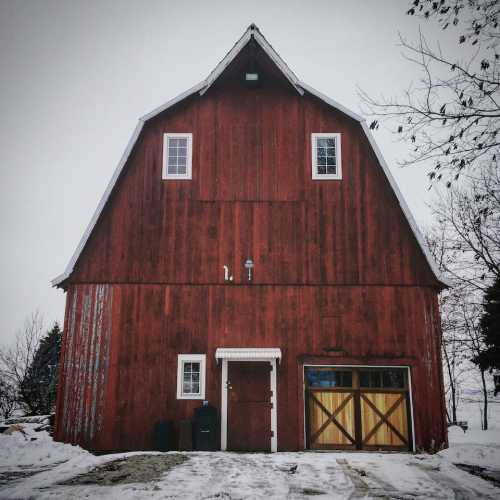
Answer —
191 376
177 154
326 156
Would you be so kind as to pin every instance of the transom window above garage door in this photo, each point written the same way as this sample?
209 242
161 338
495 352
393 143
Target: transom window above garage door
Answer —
389 378
328 378
324 377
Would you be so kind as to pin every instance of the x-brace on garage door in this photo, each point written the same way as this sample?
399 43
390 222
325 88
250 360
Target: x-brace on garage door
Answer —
357 408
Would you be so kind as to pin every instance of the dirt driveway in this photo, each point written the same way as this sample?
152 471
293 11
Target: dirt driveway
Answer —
220 475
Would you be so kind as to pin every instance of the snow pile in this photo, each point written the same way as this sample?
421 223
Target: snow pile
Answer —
474 447
34 449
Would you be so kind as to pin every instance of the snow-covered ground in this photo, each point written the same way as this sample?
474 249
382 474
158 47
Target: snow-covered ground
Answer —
33 466
476 447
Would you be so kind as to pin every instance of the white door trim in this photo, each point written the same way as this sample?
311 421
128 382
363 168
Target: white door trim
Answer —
274 401
223 402
274 408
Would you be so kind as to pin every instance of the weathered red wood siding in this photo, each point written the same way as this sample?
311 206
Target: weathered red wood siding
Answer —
252 195
336 265
144 327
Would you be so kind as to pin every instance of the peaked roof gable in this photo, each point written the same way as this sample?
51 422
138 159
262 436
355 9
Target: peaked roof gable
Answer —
251 33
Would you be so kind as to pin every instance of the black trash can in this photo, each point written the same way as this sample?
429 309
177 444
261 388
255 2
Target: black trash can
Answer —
205 425
163 436
185 435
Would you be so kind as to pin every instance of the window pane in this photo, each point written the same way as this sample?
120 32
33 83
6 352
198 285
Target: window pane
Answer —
195 388
346 379
182 142
172 143
393 379
326 159
375 379
325 142
328 378
187 388
370 379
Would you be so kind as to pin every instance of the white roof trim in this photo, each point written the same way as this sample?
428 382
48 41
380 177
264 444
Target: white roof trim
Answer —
252 32
100 206
248 354
331 102
172 102
201 88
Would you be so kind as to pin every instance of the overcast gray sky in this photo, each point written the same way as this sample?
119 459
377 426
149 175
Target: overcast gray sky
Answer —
76 76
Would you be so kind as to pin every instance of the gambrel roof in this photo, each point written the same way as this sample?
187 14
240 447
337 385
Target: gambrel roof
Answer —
252 33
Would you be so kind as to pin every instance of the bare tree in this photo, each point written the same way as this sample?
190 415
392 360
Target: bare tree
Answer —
16 360
465 241
451 116
453 347
473 339
468 220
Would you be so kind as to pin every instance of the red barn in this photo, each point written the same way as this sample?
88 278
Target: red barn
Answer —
252 250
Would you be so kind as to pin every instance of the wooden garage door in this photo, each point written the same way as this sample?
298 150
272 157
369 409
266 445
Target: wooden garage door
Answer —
357 408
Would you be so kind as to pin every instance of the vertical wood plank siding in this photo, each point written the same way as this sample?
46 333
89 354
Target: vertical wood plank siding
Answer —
84 364
138 331
252 195
336 266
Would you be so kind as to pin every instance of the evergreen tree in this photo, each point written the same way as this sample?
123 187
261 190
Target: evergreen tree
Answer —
489 359
39 386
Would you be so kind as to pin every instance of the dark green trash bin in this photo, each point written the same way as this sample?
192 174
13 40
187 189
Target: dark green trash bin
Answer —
163 435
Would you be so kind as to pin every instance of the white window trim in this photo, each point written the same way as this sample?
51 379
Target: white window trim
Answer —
190 358
189 160
338 153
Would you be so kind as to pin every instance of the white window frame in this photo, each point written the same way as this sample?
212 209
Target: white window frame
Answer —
189 160
338 154
191 358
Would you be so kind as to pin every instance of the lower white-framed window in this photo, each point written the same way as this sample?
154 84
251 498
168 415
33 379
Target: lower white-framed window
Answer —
191 376
326 156
177 156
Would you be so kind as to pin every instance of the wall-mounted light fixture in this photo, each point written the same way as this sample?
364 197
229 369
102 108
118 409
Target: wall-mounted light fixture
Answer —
249 265
252 77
